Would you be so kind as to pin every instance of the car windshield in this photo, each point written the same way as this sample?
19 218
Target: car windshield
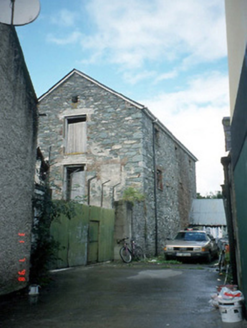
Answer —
191 236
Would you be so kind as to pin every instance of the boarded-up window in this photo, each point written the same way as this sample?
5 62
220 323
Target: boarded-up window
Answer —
75 182
76 134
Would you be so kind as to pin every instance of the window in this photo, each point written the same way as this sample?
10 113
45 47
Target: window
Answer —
76 134
159 178
74 99
75 182
191 236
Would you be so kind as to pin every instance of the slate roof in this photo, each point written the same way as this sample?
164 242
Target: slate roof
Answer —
207 212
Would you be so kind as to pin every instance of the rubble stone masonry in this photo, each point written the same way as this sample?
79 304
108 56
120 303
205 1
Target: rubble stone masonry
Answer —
121 147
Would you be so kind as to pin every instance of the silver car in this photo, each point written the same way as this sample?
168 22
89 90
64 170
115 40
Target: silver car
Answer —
194 244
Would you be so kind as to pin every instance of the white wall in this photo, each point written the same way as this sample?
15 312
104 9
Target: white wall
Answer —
236 24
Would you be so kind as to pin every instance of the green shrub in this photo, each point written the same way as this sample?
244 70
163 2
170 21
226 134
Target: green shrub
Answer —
132 195
44 248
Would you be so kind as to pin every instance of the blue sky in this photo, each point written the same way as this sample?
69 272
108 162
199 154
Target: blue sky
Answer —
168 55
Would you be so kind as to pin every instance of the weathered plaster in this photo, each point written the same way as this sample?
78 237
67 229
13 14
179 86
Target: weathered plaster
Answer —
18 121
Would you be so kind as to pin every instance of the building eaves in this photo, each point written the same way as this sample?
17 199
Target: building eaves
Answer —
168 132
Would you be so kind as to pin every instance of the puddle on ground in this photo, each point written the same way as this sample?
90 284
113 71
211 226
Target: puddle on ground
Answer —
156 274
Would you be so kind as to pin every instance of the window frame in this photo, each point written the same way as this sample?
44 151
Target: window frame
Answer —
68 171
70 120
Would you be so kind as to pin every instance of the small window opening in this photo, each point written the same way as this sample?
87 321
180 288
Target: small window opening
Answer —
159 177
75 182
75 99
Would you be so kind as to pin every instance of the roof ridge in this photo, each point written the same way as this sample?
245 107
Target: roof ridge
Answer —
76 71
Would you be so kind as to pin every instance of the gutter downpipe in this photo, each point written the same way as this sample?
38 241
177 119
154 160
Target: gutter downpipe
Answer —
102 192
155 191
88 188
113 189
226 191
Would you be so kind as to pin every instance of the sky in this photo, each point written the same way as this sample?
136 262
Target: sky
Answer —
169 55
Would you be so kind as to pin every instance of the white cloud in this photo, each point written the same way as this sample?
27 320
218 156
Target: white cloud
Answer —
69 39
133 78
166 76
135 31
130 32
64 18
194 116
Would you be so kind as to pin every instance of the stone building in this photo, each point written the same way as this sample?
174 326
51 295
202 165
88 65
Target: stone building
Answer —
18 132
100 142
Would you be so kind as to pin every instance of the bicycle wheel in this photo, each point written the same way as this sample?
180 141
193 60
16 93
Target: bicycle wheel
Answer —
125 254
139 254
222 262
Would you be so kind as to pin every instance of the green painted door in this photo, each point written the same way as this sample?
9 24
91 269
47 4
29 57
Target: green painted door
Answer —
93 250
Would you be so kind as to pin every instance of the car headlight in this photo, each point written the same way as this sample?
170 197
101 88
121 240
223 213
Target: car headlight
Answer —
167 248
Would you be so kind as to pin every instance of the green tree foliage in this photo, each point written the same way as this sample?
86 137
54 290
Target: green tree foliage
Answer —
211 195
44 247
132 195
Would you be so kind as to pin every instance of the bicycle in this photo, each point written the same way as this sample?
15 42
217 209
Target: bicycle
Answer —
224 250
136 253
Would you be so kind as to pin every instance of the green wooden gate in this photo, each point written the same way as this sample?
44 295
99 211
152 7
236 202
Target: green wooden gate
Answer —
86 238
93 242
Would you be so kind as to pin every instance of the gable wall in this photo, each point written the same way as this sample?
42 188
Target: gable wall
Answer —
114 140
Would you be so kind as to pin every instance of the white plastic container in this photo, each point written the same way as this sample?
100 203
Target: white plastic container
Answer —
33 290
231 311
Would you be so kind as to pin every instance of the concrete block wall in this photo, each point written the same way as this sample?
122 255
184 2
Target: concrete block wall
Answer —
18 124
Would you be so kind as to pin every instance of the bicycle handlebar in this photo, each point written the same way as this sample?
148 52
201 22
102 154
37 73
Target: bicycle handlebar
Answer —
121 240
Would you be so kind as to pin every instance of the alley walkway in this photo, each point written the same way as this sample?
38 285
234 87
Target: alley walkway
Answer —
119 296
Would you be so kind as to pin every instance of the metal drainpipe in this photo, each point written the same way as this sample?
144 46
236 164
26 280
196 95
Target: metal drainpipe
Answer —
102 186
226 188
113 188
155 193
12 12
49 163
88 189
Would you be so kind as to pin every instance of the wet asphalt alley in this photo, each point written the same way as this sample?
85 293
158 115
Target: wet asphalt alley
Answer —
113 295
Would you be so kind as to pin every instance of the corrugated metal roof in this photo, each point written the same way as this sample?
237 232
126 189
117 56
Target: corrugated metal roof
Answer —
208 212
